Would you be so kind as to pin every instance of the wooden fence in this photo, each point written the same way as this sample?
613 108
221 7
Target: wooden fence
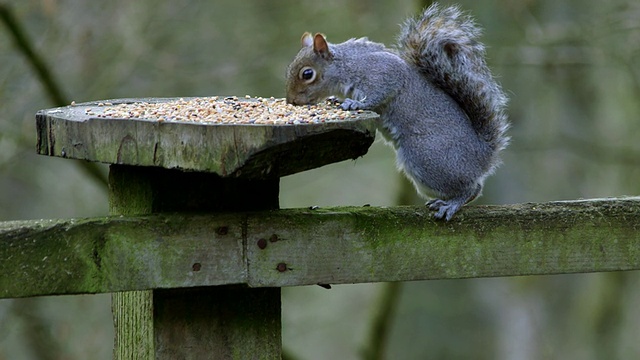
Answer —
196 250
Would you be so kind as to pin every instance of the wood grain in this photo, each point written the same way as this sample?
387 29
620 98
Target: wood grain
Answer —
329 246
248 151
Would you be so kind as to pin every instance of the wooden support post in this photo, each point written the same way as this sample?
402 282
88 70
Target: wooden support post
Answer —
226 322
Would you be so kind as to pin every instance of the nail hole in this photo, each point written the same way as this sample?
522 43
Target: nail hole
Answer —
222 230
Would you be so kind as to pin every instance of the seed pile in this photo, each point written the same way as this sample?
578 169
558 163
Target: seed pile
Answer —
227 110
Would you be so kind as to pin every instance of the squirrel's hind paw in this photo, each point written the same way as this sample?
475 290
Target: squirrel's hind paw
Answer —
443 208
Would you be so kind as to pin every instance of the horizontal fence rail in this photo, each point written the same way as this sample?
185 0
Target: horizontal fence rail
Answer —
295 247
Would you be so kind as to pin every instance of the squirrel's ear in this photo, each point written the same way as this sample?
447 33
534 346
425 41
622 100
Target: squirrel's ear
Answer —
306 40
321 47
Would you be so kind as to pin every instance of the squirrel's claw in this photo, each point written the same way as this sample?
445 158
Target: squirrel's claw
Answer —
443 208
351 104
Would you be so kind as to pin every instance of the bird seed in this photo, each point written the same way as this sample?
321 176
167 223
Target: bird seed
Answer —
224 110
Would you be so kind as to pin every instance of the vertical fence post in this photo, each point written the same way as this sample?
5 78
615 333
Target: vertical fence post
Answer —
225 322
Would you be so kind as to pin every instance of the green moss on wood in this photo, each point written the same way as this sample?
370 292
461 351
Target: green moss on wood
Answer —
405 243
337 245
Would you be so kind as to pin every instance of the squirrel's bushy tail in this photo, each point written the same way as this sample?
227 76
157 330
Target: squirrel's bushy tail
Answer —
443 44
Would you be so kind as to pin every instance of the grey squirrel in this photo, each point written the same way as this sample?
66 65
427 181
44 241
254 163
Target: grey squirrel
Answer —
439 105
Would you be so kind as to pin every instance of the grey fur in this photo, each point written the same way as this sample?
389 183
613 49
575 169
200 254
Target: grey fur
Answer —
439 105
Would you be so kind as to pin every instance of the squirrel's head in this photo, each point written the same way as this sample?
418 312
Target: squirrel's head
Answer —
305 75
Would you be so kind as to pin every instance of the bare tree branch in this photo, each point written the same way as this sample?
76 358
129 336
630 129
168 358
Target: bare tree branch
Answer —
52 89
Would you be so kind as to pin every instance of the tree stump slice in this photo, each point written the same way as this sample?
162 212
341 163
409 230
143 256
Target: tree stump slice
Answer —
229 150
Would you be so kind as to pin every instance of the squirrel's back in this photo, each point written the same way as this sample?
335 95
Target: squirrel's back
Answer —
443 44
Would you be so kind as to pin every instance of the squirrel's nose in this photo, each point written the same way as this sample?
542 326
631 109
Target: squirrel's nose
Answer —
294 101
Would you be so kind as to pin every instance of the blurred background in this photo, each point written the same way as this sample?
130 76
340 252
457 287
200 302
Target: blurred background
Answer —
571 69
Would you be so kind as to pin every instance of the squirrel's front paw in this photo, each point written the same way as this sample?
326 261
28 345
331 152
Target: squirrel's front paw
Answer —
350 104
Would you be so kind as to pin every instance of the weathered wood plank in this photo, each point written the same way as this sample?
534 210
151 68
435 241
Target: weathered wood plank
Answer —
119 253
334 246
248 151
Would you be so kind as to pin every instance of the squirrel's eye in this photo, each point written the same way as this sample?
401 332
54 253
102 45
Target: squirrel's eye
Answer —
307 74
